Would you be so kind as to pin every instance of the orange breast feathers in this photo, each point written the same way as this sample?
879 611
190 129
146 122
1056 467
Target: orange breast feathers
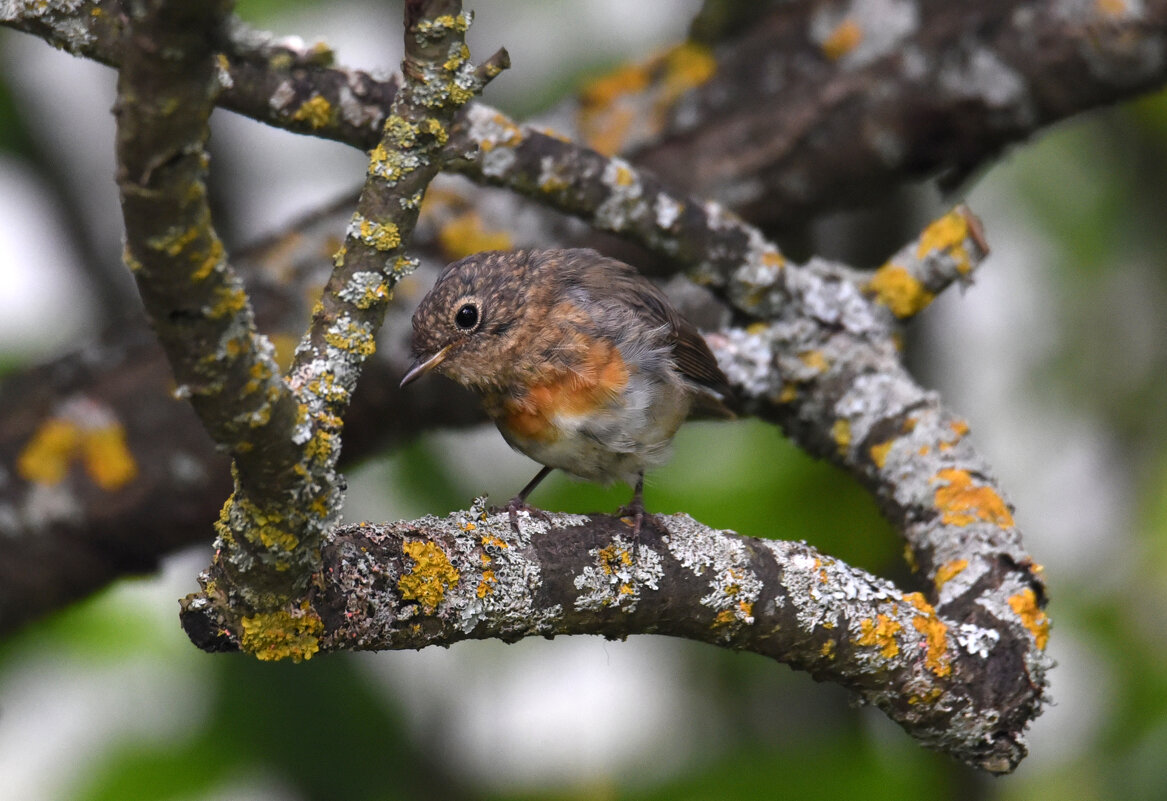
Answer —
592 382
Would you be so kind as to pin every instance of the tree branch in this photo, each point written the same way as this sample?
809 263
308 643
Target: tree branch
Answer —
471 576
811 107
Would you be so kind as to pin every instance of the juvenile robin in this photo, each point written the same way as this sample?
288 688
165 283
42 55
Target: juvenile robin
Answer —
582 363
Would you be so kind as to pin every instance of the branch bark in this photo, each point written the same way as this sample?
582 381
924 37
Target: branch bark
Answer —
959 685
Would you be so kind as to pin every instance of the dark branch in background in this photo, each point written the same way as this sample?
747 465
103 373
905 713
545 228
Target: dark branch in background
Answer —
808 108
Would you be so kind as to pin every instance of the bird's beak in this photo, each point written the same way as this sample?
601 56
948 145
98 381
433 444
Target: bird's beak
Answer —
423 364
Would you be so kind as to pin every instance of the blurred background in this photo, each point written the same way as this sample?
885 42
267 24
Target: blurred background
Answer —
1057 355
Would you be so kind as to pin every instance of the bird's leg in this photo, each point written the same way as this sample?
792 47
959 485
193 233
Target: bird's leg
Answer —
520 501
635 509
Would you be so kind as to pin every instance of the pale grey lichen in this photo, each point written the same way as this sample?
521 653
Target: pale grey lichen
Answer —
625 201
617 576
724 561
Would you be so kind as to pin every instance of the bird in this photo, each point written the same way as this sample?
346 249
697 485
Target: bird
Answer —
582 363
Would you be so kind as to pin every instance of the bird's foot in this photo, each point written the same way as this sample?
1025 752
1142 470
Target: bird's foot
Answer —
518 504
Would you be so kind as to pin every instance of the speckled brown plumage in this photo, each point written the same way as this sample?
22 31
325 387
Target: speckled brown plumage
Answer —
582 363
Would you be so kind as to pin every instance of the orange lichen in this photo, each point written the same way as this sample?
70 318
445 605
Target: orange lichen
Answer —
1024 604
880 451
935 633
843 39
900 291
486 585
430 577
466 234
949 571
961 503
1111 8
880 633
638 97
772 258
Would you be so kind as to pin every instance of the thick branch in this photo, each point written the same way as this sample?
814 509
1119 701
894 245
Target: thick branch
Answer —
811 106
470 576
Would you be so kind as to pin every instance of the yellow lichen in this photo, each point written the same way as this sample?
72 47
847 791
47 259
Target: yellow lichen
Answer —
316 111
828 649
843 39
1024 604
281 634
947 235
230 300
899 290
814 359
175 240
46 457
949 571
879 452
1111 8
961 503
624 176
880 633
380 236
207 265
106 457
841 433
433 128
58 443
277 537
354 339
910 558
429 578
466 234
613 557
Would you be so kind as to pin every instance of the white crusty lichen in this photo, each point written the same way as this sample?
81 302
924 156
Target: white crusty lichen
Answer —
824 591
499 574
724 561
625 201
618 574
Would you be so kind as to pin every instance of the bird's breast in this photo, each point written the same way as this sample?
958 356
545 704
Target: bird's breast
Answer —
549 397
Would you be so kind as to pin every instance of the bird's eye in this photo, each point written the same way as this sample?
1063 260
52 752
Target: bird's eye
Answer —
467 317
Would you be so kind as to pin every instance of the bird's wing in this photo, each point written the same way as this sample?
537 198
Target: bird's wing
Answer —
621 284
